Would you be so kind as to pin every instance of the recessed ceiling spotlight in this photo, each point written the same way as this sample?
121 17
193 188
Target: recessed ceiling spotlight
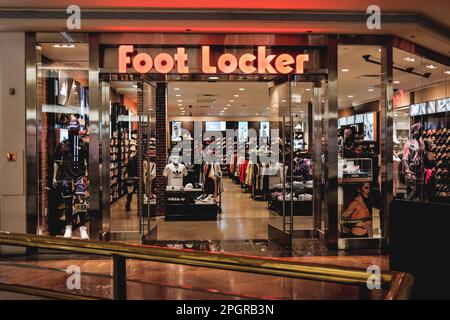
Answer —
228 105
236 95
431 66
241 89
180 104
181 108
345 70
180 100
396 82
225 108
176 89
447 72
350 96
307 89
267 108
409 59
231 100
371 89
178 95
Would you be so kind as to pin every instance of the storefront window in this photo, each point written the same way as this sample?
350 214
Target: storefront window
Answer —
421 129
359 191
63 138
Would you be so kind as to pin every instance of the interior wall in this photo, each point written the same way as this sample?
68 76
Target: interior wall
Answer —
12 133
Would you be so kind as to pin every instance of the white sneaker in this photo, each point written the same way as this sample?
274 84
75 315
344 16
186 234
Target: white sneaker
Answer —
68 233
83 233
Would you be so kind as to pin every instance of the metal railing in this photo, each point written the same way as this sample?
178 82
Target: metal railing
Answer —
398 284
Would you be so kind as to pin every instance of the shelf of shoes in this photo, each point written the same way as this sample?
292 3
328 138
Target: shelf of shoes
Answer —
114 147
441 149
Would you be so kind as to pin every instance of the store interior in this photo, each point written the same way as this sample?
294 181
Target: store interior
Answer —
235 198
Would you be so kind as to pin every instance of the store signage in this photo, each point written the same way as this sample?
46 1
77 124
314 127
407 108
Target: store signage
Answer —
248 63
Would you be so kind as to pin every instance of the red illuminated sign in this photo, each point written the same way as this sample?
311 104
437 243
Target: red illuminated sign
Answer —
248 63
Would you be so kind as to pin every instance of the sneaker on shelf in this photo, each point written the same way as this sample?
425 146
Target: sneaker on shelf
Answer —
208 199
308 197
189 186
83 233
68 233
301 197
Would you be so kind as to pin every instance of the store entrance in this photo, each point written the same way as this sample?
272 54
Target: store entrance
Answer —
131 146
233 171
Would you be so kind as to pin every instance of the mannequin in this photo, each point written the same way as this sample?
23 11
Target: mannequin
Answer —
412 163
174 172
133 178
70 164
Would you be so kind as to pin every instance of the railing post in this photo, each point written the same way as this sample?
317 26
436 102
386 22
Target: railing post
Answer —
119 278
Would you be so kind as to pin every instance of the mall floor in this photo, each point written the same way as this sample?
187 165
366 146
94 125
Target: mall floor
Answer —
242 219
154 280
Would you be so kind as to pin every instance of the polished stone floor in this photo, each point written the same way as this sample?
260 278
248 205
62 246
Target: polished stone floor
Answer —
154 280
243 218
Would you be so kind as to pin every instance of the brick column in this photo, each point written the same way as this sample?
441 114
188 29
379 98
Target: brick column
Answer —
161 146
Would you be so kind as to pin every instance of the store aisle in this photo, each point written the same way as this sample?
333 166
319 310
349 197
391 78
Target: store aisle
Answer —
242 218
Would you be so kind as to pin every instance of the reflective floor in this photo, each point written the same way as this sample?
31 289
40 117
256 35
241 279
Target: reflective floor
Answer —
243 218
151 280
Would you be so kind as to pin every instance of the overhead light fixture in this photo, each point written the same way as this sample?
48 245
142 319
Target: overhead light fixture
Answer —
178 95
257 114
371 89
409 59
431 66
176 89
225 108
267 108
396 82
228 105
236 95
241 89
181 108
180 100
345 70
350 96
307 89
180 104
231 100
447 72
63 46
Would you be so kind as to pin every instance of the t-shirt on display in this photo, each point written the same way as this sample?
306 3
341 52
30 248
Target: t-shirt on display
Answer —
175 174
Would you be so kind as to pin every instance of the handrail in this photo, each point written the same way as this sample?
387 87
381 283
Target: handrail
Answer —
233 262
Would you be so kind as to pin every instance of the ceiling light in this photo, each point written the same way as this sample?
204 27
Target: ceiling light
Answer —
447 72
396 82
228 105
350 96
176 89
257 114
225 108
267 108
371 89
181 108
180 100
345 70
236 95
231 100
178 95
431 66
307 89
409 59
64 46
180 104
241 89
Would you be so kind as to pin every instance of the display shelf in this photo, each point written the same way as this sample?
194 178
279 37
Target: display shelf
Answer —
301 208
